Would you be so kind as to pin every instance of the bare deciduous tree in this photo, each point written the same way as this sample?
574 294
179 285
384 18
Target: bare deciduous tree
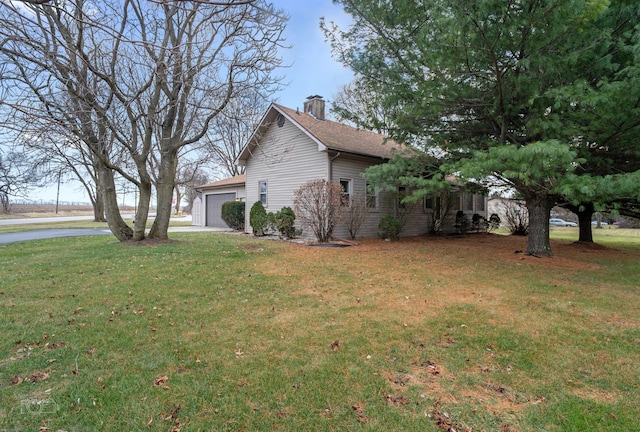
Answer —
136 82
318 204
355 214
16 176
516 217
358 104
231 130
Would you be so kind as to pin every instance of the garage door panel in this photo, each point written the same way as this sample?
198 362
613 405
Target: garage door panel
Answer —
214 209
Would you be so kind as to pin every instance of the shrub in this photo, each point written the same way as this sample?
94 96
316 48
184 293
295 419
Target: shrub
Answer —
284 221
390 227
494 221
516 217
462 222
258 219
479 223
233 214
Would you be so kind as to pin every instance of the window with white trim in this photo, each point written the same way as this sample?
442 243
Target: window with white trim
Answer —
262 192
371 193
346 191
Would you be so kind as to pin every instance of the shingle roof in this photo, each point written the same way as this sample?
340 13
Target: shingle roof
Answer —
238 180
342 137
327 134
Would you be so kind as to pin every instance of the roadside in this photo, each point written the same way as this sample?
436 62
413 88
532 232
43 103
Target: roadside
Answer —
39 220
52 231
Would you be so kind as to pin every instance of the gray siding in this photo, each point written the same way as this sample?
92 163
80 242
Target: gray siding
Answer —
352 167
286 158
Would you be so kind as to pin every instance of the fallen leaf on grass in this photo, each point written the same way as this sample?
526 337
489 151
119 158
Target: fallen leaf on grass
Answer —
360 413
39 376
16 380
335 345
396 400
160 381
174 414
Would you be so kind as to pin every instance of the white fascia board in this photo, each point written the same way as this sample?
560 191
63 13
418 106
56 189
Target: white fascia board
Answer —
246 152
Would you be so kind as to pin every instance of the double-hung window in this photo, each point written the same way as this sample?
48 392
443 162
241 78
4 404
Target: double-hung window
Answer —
346 191
262 192
372 196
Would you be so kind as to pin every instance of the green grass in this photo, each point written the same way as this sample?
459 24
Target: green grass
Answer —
243 330
607 235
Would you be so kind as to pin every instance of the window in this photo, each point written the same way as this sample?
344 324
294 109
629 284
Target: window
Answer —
372 196
262 192
480 203
467 204
402 194
346 191
430 203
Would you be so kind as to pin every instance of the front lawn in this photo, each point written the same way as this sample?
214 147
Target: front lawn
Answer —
222 332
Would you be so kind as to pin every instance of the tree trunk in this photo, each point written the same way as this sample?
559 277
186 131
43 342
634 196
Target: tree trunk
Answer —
98 208
178 199
117 225
164 190
584 222
539 208
142 212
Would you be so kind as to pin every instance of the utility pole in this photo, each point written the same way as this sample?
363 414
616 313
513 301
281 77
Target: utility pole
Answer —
58 193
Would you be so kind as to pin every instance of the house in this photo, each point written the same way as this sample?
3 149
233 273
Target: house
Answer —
290 148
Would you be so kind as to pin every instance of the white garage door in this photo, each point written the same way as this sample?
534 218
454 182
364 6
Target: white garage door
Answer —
214 209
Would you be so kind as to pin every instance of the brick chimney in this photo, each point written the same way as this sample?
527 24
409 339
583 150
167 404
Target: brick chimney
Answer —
314 105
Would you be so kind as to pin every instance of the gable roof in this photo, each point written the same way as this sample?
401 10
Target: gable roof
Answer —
327 134
238 180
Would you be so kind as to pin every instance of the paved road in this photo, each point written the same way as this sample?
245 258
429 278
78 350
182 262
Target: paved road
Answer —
25 221
73 232
50 233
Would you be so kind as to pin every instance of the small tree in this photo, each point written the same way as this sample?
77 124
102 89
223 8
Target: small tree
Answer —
318 204
441 205
355 215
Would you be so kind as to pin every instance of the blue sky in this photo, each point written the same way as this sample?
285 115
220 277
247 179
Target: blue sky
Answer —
312 70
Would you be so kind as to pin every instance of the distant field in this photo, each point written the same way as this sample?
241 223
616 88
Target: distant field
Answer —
49 210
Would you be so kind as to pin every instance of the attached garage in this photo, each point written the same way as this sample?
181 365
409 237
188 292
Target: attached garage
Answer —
214 209
213 195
